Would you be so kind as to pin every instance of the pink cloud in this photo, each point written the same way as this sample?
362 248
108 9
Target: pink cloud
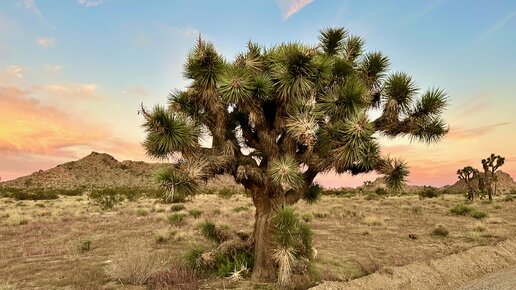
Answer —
291 7
457 133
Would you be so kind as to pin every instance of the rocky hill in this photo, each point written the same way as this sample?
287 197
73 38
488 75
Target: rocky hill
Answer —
505 184
100 170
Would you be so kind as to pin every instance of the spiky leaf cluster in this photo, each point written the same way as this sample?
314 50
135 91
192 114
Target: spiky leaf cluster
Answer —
276 117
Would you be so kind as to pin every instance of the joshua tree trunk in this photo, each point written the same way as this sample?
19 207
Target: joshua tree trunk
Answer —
264 267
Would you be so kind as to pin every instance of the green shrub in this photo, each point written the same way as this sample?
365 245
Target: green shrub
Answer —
177 207
176 219
508 198
226 264
217 211
417 209
461 209
429 192
193 257
478 214
28 194
440 231
371 196
141 212
195 213
209 231
106 198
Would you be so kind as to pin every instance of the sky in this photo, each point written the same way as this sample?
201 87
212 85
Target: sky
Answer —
73 72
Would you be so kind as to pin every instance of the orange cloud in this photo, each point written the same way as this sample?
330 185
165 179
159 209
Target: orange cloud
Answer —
461 134
30 127
291 7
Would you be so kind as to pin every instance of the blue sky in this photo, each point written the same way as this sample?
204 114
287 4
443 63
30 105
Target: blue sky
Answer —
91 62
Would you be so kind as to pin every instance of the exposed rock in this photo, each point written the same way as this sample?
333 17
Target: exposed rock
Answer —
505 184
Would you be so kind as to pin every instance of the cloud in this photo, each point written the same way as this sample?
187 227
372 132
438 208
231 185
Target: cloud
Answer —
31 5
12 73
500 24
53 68
91 3
291 7
461 134
27 126
45 42
72 91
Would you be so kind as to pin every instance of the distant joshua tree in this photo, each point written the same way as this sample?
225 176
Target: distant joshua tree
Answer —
274 118
482 183
491 165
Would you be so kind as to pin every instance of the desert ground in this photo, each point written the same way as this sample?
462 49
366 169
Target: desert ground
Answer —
71 243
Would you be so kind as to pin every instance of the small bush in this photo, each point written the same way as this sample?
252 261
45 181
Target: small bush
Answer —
217 211
193 257
106 198
380 191
429 192
209 231
321 214
478 214
30 194
461 209
162 235
226 264
141 212
175 277
195 213
84 246
508 198
373 221
417 209
17 220
440 231
177 207
176 219
134 265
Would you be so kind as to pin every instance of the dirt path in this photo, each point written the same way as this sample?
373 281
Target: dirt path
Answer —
493 263
501 280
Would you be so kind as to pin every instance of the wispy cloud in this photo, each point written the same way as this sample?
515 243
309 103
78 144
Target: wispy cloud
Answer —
31 5
501 23
72 91
291 7
138 92
427 10
91 3
12 73
46 41
461 134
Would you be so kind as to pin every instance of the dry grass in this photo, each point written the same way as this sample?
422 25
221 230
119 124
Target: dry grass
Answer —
38 253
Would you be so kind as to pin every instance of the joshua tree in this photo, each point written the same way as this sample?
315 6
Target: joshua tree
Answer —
468 174
274 118
490 165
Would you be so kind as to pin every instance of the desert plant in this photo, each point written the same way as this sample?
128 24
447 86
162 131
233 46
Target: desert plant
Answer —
468 174
209 231
162 235
429 192
287 106
106 198
134 265
177 207
193 257
313 193
490 165
381 191
195 213
141 212
176 219
478 214
461 209
440 231
175 277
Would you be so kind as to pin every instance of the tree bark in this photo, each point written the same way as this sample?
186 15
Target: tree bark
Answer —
264 267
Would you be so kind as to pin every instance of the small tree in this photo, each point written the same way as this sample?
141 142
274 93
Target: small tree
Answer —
469 174
491 165
274 118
